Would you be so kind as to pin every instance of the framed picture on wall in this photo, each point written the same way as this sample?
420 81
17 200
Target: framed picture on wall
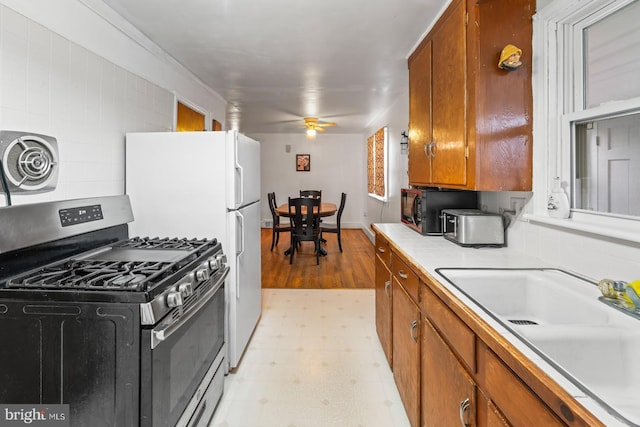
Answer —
303 162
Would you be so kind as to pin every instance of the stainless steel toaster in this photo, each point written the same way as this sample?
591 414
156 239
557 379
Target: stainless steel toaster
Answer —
473 227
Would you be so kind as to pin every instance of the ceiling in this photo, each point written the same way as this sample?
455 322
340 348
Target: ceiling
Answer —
278 61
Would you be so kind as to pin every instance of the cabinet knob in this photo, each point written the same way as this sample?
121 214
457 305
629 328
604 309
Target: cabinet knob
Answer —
381 249
465 405
402 274
387 285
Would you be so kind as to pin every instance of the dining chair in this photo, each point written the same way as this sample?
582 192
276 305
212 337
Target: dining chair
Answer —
316 194
335 228
305 224
277 228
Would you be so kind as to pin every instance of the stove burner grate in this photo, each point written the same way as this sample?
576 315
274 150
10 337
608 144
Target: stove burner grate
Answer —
96 275
166 243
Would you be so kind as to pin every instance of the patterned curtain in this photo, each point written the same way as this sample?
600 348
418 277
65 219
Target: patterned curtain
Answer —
379 153
371 179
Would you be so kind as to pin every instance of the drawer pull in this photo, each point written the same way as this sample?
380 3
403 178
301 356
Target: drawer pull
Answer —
387 285
381 249
464 409
402 274
412 330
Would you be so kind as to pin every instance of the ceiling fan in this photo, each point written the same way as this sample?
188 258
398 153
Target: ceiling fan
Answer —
313 126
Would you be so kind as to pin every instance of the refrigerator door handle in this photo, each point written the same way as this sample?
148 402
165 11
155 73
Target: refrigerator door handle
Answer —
240 252
240 182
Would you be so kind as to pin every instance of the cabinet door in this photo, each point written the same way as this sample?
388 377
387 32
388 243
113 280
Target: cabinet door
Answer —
420 115
510 394
383 307
448 392
449 91
406 351
494 417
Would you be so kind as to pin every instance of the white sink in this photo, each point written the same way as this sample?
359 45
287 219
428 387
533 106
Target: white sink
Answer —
545 297
559 316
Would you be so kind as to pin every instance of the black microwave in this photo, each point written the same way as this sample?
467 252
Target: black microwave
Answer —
420 208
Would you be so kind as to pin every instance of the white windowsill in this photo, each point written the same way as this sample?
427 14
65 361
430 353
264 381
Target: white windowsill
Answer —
629 231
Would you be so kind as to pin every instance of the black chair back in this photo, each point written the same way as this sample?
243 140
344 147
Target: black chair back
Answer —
305 223
316 194
336 229
343 201
272 207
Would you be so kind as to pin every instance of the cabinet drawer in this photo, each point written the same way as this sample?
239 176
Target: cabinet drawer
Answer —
382 250
455 331
511 395
405 276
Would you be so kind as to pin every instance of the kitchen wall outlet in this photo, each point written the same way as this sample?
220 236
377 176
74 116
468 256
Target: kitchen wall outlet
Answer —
287 148
517 204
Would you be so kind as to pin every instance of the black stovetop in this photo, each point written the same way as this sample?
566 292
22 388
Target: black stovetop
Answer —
132 265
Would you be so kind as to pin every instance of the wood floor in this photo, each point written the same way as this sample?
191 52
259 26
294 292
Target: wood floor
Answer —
353 268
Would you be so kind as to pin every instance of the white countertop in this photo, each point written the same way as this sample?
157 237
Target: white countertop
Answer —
433 252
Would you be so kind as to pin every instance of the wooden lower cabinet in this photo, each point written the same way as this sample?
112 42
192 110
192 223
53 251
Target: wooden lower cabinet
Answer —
406 351
495 417
384 294
515 400
448 391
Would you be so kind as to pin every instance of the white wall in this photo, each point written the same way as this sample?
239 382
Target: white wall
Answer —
397 119
338 164
54 85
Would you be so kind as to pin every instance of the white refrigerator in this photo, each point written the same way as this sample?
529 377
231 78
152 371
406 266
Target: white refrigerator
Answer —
204 185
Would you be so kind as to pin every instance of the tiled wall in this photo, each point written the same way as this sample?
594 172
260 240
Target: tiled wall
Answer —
594 256
52 86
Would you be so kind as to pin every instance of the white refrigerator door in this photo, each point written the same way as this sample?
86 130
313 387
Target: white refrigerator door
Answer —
243 172
176 184
244 294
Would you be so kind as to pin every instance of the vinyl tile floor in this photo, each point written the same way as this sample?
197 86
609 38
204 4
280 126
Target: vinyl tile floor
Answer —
314 361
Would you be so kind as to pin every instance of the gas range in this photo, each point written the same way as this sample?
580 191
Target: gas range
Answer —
137 264
143 306
159 273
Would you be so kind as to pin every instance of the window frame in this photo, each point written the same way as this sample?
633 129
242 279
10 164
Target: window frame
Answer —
557 48
385 161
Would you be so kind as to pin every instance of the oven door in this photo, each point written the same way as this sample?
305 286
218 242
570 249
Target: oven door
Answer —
178 354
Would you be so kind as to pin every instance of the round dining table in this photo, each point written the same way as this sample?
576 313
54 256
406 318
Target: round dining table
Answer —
326 209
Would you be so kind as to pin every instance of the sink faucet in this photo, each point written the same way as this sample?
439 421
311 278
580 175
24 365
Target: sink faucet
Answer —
621 295
612 288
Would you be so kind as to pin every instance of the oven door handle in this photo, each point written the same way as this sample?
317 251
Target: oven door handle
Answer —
165 329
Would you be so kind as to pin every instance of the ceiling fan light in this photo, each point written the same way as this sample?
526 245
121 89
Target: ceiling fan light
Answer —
311 134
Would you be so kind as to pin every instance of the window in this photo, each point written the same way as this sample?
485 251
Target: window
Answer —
588 106
377 164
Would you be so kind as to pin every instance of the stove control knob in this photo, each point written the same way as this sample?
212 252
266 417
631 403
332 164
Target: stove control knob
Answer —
174 299
185 289
202 274
217 262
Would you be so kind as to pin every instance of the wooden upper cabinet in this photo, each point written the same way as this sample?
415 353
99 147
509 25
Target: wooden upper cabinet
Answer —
420 115
471 120
500 140
188 119
449 163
